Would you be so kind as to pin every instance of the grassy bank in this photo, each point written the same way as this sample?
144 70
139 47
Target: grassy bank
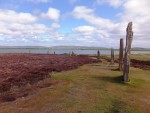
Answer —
94 88
143 57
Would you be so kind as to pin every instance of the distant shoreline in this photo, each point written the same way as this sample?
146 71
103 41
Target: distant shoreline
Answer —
133 49
69 48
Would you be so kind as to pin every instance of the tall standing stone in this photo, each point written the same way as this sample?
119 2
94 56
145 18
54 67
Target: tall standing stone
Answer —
112 56
98 55
121 55
72 54
129 37
48 52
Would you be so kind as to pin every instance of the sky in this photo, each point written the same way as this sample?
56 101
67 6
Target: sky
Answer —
98 23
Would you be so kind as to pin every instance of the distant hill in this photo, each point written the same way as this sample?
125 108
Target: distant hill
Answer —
22 47
140 49
69 48
54 47
78 48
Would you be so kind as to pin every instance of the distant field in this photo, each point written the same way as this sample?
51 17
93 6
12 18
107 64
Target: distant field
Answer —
144 57
137 60
92 88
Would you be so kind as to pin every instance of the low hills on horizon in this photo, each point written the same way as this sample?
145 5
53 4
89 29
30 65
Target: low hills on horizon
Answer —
69 48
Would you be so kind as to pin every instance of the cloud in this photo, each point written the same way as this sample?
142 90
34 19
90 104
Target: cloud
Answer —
81 10
86 30
112 31
87 14
133 10
103 30
11 16
21 24
55 26
98 31
52 14
113 3
23 29
138 12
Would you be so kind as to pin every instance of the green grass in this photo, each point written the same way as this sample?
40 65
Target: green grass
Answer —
144 57
94 88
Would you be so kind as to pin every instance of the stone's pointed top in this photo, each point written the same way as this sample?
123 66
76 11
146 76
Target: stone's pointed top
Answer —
130 23
129 27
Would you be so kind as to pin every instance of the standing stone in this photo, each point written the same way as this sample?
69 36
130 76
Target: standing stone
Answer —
98 55
72 54
112 56
121 55
48 52
129 37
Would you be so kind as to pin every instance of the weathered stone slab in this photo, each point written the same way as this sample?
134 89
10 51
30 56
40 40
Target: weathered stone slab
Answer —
129 37
121 55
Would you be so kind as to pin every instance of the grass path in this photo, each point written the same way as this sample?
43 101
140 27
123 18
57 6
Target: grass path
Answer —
91 88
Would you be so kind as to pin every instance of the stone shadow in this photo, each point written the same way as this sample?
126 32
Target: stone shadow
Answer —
112 79
117 69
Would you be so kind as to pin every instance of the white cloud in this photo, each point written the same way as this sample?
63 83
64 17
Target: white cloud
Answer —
21 24
82 11
22 30
55 26
52 14
11 16
87 14
133 10
86 30
98 30
17 28
20 27
138 12
104 30
113 3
